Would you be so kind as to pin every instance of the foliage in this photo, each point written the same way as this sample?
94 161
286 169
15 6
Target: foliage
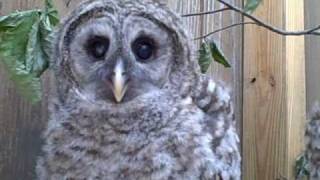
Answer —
301 167
209 52
25 47
251 5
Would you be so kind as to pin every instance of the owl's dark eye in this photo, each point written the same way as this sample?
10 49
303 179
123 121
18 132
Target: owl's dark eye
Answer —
143 48
98 46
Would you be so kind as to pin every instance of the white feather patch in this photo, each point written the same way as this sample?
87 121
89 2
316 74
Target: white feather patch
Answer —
211 86
187 101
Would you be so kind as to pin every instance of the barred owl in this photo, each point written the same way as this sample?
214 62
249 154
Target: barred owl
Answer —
130 100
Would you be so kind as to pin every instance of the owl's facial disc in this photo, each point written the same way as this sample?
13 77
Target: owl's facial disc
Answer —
116 61
119 81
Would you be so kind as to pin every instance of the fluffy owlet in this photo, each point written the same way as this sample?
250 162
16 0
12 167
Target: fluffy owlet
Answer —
131 103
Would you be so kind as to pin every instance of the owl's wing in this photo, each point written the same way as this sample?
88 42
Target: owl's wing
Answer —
214 99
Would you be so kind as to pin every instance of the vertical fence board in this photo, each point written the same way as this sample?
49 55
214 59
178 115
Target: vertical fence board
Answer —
264 97
274 96
296 83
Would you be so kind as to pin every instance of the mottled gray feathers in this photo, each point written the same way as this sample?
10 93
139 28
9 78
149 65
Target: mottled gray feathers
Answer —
178 123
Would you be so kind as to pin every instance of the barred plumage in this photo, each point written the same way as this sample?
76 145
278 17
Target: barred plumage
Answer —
167 122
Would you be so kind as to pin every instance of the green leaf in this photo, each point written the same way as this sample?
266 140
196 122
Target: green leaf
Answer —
251 5
209 52
12 20
51 13
301 167
48 22
25 47
36 59
14 35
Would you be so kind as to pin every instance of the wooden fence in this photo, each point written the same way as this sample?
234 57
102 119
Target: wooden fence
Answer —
267 77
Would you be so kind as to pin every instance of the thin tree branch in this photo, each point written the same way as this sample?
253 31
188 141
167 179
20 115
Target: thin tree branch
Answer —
205 13
224 28
259 22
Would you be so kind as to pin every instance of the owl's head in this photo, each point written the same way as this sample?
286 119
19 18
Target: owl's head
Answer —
116 50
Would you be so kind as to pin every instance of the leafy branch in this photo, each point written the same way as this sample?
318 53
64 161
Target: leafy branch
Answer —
25 47
210 52
259 22
250 7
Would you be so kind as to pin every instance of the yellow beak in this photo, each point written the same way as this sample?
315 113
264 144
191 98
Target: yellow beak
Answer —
119 82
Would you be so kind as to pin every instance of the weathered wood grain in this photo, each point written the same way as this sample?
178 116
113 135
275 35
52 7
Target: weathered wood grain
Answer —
296 84
264 98
274 95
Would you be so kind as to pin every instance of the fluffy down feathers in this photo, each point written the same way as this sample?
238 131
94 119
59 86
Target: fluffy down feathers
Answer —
214 99
172 139
313 143
183 129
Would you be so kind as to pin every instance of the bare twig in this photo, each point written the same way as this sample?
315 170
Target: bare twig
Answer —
205 13
259 22
224 28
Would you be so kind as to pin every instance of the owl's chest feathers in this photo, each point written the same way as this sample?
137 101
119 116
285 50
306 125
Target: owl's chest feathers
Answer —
144 141
130 132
